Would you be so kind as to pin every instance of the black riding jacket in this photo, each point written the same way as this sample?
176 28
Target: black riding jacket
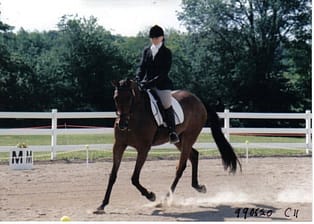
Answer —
155 71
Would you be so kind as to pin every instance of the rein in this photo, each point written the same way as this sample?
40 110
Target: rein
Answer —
127 115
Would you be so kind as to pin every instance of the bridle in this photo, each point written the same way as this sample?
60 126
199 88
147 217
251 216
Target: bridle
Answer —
125 116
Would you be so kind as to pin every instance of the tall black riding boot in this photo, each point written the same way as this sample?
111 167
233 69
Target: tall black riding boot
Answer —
173 137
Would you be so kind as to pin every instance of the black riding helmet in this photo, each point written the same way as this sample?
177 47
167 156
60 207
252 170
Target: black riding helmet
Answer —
156 31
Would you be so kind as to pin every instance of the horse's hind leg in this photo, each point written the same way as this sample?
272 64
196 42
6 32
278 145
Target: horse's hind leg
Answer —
141 158
194 161
185 153
180 168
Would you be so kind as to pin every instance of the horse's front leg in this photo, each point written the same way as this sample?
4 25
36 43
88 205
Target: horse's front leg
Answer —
141 158
117 157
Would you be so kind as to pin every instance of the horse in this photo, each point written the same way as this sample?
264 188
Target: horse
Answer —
135 127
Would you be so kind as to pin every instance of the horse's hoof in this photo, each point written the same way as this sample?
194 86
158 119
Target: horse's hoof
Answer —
100 210
151 196
201 188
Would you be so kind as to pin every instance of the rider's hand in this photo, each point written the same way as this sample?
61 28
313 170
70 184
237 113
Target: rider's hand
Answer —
142 85
147 84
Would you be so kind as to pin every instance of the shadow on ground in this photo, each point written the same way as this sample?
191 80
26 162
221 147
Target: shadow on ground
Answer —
223 213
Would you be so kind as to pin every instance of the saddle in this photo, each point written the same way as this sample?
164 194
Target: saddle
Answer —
158 110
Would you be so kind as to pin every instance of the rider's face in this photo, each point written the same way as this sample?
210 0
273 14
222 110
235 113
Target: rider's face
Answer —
157 40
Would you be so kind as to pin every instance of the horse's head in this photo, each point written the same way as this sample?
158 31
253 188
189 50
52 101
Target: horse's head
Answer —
124 98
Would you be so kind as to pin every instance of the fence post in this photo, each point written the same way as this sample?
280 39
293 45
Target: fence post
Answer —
227 124
54 123
308 130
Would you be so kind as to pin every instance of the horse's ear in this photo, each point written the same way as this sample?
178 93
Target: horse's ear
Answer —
115 83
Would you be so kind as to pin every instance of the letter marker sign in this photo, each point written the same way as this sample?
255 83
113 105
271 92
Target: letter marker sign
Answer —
21 159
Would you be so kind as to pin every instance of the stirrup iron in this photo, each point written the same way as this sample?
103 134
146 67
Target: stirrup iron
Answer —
173 138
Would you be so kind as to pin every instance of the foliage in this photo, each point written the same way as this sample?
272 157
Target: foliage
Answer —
238 46
245 55
69 69
92 61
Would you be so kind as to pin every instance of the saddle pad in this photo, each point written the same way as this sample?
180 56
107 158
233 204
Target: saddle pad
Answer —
178 112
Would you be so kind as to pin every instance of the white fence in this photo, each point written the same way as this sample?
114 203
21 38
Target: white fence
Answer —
226 115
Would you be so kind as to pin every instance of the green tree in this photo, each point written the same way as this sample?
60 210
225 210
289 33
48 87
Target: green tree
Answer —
92 61
4 54
237 49
16 77
297 61
131 49
180 68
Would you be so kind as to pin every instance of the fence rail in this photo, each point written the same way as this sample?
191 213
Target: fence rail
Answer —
54 131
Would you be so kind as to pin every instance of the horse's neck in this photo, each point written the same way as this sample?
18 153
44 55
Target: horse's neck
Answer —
141 104
143 100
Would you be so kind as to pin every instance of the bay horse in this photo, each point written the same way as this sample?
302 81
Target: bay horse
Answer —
135 126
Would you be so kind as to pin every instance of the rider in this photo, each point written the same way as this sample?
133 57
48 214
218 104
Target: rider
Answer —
153 74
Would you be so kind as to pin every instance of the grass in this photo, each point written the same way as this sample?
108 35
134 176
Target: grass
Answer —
61 139
80 155
108 139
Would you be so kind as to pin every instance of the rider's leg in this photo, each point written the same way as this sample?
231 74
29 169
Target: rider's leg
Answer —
165 97
173 136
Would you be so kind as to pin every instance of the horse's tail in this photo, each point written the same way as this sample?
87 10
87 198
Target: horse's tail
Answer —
228 155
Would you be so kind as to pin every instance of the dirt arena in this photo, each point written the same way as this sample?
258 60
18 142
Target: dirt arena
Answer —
269 189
